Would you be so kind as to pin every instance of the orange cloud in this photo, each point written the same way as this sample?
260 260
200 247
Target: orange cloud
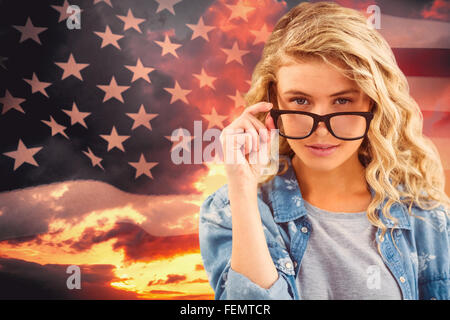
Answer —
199 267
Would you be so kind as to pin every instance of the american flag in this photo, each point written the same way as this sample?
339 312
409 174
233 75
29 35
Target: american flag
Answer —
91 114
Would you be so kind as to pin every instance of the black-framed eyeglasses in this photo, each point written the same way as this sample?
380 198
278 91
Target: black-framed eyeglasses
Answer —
350 125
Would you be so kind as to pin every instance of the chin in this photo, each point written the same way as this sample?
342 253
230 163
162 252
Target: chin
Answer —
326 163
319 163
324 166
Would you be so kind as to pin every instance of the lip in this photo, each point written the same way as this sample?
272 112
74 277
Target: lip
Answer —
321 145
322 152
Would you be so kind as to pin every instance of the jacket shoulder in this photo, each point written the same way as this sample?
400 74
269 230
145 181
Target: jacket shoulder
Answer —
215 209
431 229
434 220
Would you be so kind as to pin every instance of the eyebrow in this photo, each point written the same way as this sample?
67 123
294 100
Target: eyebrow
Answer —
331 95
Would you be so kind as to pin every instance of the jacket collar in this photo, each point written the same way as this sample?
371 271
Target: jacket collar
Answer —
287 202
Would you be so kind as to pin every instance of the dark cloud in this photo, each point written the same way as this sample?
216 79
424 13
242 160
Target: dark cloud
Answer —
28 212
175 278
194 297
171 278
138 245
164 292
19 240
21 279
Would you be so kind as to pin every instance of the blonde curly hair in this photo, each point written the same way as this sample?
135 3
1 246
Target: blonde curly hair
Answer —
395 152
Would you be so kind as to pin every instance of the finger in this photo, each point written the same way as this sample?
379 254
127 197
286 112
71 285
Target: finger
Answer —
249 113
258 107
236 146
256 122
249 128
241 125
249 144
248 123
244 145
227 131
229 139
262 130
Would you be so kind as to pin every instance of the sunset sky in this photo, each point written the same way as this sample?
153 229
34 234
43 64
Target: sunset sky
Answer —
133 246
145 246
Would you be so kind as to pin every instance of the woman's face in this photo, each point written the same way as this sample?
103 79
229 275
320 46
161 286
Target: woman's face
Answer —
317 87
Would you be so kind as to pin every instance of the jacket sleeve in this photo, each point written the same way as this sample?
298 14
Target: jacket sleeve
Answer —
436 284
215 236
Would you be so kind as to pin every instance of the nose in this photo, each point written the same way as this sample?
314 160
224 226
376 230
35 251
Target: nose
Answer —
321 129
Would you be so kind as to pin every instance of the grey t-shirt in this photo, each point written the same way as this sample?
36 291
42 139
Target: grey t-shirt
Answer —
341 261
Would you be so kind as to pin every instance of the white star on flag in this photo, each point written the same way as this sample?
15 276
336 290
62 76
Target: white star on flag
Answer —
200 29
205 80
76 116
63 15
71 68
142 118
168 46
95 161
235 53
214 119
239 11
23 155
261 35
109 38
37 85
166 4
130 21
143 167
105 1
9 102
238 99
140 72
29 31
113 90
178 93
114 140
56 127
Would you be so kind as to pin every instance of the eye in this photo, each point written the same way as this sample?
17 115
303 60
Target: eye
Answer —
299 99
344 100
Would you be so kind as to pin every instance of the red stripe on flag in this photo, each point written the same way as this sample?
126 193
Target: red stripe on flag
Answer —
423 62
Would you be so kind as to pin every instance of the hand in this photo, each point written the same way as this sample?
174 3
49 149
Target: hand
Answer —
246 145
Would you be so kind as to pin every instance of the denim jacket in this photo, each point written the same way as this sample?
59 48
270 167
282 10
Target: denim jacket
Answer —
421 266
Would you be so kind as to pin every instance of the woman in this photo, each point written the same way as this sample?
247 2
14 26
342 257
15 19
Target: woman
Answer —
358 209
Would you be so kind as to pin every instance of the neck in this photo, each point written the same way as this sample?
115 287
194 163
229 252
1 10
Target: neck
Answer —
340 183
